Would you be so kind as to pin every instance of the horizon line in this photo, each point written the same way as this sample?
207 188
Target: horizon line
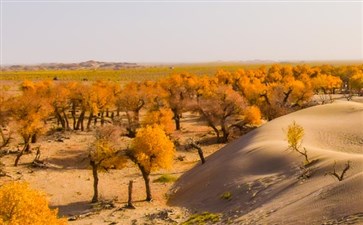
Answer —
186 62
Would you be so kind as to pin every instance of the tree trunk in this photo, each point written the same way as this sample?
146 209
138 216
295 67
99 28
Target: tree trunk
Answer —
89 120
25 149
131 129
210 123
95 181
80 120
129 202
176 118
225 132
5 140
145 175
137 116
82 126
216 131
102 118
200 151
287 94
34 138
95 121
18 157
74 116
27 142
60 119
66 120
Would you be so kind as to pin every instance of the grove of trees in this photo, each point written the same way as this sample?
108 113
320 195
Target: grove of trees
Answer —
149 111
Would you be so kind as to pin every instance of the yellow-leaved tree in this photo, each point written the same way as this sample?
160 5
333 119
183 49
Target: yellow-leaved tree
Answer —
162 117
151 150
30 110
356 82
252 115
131 100
19 204
179 91
103 153
294 135
220 106
4 120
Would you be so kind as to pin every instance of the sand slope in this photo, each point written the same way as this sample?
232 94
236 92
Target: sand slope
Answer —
262 175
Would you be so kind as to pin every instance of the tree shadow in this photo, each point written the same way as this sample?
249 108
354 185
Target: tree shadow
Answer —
206 141
74 161
74 208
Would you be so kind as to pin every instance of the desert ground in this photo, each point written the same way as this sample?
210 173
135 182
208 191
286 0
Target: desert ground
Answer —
253 179
67 178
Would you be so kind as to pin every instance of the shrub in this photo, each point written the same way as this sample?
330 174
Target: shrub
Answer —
203 218
295 134
226 195
165 178
253 115
19 204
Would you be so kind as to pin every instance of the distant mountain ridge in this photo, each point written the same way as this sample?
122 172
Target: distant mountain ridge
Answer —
87 65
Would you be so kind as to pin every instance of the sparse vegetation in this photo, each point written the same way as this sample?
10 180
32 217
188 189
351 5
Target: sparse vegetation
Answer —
226 195
202 219
165 178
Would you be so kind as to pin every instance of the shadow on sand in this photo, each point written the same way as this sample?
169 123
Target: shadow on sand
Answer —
74 208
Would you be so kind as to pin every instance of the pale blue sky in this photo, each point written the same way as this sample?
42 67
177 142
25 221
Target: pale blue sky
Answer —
37 32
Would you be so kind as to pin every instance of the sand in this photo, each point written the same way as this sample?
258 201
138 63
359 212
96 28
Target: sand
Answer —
262 175
67 181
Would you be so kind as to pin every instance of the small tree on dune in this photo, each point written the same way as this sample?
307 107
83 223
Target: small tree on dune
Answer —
295 134
19 204
151 150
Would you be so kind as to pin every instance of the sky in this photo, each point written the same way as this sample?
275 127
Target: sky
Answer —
179 31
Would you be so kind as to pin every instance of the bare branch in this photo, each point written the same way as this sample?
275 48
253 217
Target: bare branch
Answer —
193 144
336 175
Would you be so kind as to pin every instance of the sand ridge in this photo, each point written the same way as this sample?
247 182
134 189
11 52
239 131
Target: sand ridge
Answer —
262 175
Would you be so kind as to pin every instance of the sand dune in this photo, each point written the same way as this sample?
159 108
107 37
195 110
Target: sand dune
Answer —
262 175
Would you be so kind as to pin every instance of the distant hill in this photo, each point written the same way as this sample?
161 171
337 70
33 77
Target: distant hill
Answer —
88 65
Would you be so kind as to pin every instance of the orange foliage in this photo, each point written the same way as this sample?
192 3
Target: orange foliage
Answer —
19 204
252 115
152 148
162 117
